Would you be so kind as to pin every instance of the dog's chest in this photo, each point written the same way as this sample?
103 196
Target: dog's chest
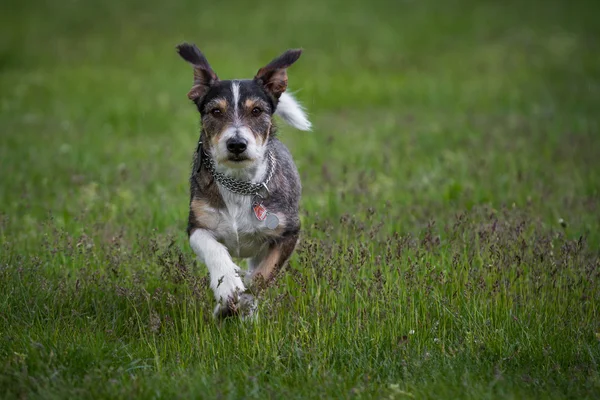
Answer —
242 233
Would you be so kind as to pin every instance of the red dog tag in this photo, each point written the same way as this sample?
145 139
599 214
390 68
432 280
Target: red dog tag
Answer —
260 212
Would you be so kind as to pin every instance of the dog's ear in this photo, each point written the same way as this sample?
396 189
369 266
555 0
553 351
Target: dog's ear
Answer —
204 76
273 76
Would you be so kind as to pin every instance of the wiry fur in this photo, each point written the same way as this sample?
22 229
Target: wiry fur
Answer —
221 223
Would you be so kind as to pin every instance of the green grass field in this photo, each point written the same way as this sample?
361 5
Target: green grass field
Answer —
451 203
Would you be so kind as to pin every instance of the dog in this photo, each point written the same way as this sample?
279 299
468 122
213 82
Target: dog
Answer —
244 186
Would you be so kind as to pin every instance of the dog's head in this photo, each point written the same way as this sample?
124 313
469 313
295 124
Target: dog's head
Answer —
237 114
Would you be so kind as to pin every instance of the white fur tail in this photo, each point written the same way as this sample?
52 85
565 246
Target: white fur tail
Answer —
292 112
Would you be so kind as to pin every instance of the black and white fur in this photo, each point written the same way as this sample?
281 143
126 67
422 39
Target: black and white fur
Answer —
237 135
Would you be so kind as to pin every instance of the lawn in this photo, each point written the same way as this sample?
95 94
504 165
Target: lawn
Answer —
451 201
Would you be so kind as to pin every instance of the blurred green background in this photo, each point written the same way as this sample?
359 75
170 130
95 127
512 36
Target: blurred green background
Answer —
438 105
422 111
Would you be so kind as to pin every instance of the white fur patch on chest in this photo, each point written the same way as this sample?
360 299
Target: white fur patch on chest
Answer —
240 231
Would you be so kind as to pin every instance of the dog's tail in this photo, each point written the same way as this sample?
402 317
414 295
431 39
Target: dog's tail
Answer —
292 112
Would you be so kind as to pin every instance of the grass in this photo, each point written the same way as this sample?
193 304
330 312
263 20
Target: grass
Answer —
451 204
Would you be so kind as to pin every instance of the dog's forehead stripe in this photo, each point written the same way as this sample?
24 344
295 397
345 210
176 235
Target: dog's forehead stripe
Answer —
235 89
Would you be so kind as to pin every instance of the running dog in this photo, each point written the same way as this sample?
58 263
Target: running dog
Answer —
244 186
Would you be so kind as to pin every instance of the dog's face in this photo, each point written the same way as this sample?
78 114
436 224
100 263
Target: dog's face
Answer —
237 115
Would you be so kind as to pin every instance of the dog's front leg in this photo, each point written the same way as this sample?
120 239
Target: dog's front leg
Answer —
225 280
266 265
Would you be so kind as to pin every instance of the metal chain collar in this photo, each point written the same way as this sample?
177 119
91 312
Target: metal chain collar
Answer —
244 188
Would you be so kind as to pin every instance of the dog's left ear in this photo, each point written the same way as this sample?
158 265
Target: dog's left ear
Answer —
273 76
204 76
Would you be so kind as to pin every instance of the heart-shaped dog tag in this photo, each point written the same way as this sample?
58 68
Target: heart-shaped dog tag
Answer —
260 212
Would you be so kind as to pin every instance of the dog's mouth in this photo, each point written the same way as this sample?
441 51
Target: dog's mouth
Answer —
237 161
237 158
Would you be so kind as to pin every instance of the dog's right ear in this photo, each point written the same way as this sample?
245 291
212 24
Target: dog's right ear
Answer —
204 76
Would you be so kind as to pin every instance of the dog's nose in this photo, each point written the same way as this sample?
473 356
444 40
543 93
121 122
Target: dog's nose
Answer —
237 145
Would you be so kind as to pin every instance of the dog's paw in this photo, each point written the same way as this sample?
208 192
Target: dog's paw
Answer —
228 286
247 306
243 305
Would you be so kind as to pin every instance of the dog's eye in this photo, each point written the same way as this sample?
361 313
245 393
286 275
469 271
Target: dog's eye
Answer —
256 111
215 112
